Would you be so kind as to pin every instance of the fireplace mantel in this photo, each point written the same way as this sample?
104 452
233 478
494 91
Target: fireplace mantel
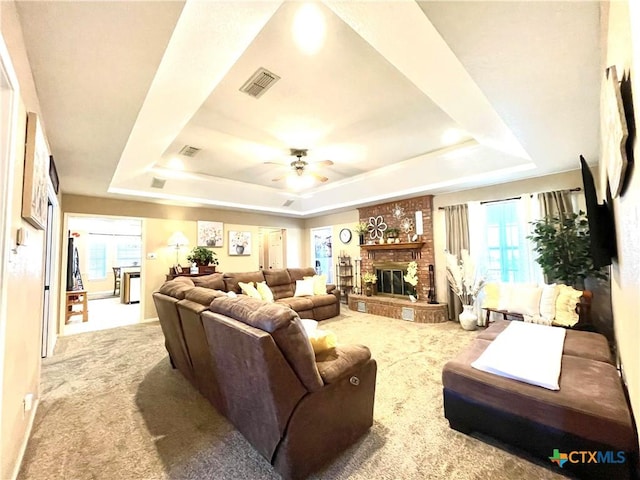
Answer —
414 247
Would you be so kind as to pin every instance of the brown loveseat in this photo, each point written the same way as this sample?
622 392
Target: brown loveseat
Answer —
253 361
589 413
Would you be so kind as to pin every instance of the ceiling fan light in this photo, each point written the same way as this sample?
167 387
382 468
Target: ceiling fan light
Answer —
299 182
309 28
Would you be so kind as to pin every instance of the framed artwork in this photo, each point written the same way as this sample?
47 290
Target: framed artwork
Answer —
36 170
614 131
177 269
210 234
239 243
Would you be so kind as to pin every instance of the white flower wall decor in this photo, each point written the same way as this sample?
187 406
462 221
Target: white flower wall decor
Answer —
377 227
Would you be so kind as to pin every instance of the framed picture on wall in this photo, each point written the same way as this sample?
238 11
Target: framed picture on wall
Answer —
36 171
239 243
210 234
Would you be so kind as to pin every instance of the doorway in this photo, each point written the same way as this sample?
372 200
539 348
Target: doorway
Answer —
272 248
322 252
105 260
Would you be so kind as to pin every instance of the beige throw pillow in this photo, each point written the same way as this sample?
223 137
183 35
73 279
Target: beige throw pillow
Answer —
566 314
265 292
304 288
249 289
319 284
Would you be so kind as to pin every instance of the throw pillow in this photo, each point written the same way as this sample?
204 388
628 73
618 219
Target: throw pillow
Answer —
265 292
249 289
504 300
319 284
525 300
323 340
304 288
566 314
491 292
548 301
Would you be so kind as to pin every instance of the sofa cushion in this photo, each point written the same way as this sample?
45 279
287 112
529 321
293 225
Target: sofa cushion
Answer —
285 327
300 273
322 300
175 289
214 281
203 296
231 279
279 282
548 301
299 304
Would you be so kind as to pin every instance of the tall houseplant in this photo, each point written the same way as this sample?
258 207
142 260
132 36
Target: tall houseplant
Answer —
563 248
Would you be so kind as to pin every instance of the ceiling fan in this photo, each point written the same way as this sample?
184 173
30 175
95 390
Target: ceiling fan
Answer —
299 166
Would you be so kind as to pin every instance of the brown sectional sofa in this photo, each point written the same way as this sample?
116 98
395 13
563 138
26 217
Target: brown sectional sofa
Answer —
282 283
589 413
253 362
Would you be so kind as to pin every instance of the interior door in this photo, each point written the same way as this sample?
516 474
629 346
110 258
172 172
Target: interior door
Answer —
46 304
275 250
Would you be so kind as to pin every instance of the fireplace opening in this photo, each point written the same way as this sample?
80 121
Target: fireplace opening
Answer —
391 279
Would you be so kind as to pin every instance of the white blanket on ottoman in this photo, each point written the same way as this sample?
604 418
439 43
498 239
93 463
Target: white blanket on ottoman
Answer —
526 352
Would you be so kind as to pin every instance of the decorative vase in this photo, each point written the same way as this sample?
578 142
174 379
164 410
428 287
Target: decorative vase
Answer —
361 238
368 289
468 319
239 249
381 241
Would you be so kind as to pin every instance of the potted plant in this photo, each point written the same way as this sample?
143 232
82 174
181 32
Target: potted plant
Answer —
392 234
361 228
202 257
563 248
369 279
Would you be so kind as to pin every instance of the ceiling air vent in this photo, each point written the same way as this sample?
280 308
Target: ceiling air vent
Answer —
158 182
259 82
288 203
188 151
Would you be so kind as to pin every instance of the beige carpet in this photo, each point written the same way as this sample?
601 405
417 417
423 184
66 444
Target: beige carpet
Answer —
112 408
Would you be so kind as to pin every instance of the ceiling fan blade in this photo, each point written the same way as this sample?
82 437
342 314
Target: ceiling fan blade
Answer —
277 179
323 162
318 177
275 163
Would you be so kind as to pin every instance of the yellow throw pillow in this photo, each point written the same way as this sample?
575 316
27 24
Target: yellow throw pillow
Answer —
566 301
491 293
319 284
322 340
265 292
249 289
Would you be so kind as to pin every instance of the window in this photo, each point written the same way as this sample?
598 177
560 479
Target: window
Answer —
97 257
128 250
505 252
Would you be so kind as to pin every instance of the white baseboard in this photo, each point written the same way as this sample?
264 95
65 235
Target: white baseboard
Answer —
25 440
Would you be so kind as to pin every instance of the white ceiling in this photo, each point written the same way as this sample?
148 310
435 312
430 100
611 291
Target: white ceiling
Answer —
123 86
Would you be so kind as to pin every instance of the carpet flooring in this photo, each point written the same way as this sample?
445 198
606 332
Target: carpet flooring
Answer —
112 407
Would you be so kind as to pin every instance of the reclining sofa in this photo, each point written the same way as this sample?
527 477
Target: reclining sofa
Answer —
253 361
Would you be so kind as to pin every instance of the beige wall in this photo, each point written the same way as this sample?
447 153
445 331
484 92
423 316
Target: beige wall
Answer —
623 50
161 221
23 277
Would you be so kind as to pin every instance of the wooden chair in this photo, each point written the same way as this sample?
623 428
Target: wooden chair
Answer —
116 280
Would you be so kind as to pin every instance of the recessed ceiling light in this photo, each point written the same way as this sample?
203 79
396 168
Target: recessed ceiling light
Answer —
451 136
308 28
175 164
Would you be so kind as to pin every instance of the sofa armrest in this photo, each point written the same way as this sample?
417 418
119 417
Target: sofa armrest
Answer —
339 362
331 287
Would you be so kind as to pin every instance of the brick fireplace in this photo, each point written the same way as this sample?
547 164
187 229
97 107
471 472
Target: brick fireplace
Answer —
395 256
